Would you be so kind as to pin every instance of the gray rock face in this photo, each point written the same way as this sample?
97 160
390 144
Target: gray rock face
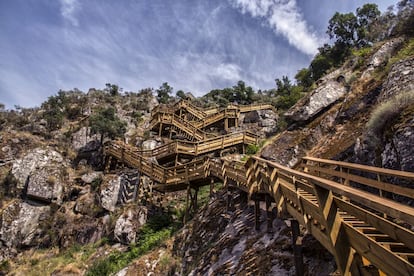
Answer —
90 177
46 184
109 192
82 137
328 92
150 144
251 117
40 171
128 223
400 79
399 151
382 55
20 224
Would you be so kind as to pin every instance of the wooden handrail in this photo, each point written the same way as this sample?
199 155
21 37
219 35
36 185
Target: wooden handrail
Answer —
341 217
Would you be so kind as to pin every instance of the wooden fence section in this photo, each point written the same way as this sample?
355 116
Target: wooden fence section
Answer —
167 179
359 228
203 147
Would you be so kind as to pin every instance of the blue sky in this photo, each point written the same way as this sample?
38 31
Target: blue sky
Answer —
194 45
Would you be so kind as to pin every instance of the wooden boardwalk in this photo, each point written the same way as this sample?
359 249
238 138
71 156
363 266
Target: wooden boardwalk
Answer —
353 210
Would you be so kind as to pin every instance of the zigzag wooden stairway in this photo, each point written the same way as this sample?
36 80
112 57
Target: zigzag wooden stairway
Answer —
189 121
354 211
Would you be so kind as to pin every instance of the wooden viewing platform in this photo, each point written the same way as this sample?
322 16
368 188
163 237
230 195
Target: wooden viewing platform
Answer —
354 211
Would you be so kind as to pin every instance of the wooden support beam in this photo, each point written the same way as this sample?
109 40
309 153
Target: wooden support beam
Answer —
269 213
187 204
257 214
228 202
297 247
134 198
211 186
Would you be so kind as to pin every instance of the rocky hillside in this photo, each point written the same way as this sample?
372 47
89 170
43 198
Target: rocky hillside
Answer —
60 214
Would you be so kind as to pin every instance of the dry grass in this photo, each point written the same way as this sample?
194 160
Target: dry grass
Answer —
386 112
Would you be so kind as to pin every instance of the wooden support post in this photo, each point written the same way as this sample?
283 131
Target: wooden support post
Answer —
195 203
134 198
269 214
211 187
243 199
257 213
297 247
160 131
226 124
228 203
187 204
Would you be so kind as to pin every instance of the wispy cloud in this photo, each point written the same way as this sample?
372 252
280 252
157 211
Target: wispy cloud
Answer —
68 9
194 48
285 18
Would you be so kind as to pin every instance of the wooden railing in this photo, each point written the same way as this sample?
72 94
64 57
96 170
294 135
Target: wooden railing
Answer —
354 225
357 175
168 118
198 147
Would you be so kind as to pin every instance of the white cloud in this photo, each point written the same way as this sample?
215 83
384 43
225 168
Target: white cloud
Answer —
68 9
229 72
284 17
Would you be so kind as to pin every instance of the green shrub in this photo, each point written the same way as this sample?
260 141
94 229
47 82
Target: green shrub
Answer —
388 111
252 149
117 260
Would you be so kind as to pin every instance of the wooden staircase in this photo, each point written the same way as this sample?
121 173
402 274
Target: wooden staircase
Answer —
354 211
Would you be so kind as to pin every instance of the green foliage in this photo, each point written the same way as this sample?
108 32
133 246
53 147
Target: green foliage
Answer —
386 112
96 183
343 28
252 149
54 111
180 94
106 123
287 94
117 260
112 89
405 18
163 93
239 93
4 266
304 78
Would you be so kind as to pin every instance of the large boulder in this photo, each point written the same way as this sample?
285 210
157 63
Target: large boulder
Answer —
328 92
151 144
46 184
381 56
400 79
21 224
40 173
109 191
82 138
128 224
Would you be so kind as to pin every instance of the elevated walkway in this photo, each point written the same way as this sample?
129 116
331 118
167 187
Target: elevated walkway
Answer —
358 227
354 211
